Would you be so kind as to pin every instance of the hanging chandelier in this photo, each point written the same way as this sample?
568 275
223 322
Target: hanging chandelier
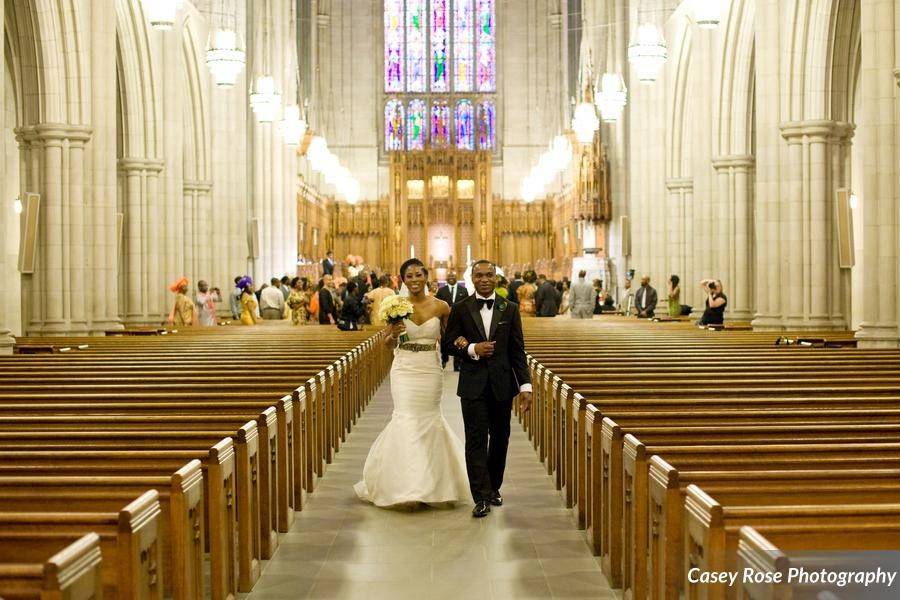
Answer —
265 101
293 127
707 13
225 57
585 122
162 13
648 53
612 97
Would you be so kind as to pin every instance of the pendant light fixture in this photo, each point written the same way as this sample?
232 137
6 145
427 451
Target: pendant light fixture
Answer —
648 53
612 97
162 13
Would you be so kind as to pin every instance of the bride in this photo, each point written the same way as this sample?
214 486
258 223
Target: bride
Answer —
417 458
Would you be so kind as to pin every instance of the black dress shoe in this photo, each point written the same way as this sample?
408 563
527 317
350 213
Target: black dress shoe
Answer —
481 509
496 499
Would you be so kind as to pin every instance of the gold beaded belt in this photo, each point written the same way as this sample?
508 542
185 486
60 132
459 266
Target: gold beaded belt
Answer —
418 347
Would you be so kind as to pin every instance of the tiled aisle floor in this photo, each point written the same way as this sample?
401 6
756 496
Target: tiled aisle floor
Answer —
344 549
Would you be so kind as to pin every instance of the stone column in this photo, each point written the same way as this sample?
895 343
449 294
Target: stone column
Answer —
880 78
198 231
812 284
681 231
732 231
54 167
141 257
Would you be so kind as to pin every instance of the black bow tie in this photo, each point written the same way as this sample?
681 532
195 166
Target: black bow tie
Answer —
482 302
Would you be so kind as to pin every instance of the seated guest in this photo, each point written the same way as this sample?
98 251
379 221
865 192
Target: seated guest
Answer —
598 289
607 305
351 310
716 301
271 301
645 299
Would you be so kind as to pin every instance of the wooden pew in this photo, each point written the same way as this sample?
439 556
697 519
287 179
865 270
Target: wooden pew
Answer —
712 532
72 573
130 543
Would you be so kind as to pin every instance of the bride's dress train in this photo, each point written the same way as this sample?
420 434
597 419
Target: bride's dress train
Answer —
417 457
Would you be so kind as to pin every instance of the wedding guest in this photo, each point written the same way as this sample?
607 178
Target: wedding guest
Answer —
645 299
582 297
249 306
515 285
564 288
626 302
525 294
182 313
328 311
285 287
375 297
674 296
547 299
271 301
328 263
502 286
453 292
597 291
206 304
352 309
234 300
716 301
298 302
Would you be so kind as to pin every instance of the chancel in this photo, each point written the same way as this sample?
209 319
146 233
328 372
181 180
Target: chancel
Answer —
450 299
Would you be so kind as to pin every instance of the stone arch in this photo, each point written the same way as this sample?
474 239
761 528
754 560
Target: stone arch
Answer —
679 151
196 86
49 61
736 86
138 84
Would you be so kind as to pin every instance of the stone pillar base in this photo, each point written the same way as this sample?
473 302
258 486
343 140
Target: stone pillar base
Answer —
766 323
875 336
777 324
99 328
738 315
7 342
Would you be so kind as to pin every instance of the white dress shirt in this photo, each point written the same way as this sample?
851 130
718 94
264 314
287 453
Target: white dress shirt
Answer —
487 316
272 297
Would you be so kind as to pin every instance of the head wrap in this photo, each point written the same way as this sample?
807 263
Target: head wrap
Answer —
180 285
245 282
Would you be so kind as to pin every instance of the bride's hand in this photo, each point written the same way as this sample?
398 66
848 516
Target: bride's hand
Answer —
398 329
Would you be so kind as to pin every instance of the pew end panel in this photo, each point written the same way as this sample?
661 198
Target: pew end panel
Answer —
73 573
664 531
757 553
704 543
633 530
610 504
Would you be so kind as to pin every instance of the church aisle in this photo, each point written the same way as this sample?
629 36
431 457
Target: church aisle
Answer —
344 549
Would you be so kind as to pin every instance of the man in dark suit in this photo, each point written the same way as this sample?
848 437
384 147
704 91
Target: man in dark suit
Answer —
451 293
328 263
547 299
645 299
514 286
485 331
328 312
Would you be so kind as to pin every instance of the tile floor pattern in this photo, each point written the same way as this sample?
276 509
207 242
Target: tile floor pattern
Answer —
345 549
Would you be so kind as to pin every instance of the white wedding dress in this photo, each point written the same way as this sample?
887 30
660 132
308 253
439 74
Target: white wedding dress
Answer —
417 458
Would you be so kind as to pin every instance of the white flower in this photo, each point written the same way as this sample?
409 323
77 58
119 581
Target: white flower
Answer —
394 308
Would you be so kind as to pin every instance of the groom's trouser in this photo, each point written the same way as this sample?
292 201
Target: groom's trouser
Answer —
487 439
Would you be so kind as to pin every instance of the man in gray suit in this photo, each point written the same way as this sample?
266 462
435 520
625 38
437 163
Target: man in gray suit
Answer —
581 298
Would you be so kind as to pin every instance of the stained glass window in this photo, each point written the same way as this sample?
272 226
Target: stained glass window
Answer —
440 124
487 80
393 126
415 125
393 45
486 118
415 45
465 125
440 74
440 45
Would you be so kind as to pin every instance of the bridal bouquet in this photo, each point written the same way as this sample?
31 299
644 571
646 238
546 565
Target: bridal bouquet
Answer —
394 309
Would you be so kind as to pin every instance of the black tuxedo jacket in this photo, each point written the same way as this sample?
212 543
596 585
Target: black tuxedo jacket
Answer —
508 368
445 294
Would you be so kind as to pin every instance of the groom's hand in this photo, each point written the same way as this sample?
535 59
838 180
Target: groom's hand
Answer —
484 349
524 401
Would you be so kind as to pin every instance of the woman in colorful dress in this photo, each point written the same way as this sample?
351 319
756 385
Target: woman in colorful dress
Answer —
526 293
298 302
249 305
182 314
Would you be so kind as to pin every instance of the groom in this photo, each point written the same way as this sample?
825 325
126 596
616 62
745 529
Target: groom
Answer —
485 331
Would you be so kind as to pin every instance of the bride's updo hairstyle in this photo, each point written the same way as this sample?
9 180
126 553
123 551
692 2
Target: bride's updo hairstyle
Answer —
412 262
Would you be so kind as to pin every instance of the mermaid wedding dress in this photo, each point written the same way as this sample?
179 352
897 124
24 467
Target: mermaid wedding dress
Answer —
417 457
